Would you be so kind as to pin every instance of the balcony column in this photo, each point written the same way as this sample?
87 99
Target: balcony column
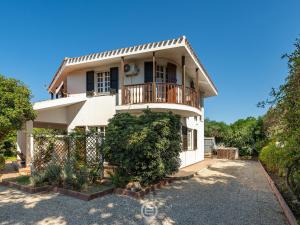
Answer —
122 78
183 78
153 79
197 88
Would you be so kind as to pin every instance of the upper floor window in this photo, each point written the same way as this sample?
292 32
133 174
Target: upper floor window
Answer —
103 82
160 74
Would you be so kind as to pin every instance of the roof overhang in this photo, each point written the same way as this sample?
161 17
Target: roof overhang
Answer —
76 63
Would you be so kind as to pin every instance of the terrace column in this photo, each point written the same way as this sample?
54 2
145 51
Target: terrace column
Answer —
183 78
197 87
153 79
122 78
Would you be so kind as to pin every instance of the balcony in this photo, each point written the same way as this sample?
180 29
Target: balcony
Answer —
137 97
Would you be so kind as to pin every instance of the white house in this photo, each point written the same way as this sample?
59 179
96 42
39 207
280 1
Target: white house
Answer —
87 91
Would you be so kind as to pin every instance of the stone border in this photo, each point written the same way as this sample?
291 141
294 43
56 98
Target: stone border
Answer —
153 187
47 188
83 196
88 197
141 194
28 189
287 211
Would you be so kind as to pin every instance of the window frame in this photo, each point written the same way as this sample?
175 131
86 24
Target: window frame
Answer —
190 138
162 73
105 83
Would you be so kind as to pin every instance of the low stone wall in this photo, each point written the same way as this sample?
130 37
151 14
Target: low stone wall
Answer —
227 153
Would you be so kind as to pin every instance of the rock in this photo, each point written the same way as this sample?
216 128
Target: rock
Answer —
134 186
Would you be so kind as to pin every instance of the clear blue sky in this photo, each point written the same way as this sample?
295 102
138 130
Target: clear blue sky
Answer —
239 42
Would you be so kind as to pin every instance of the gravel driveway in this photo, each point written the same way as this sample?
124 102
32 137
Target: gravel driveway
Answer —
229 192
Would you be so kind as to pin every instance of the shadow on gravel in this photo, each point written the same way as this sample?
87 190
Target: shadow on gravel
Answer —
229 192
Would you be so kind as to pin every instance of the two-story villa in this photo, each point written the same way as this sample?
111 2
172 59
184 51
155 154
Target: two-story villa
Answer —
87 91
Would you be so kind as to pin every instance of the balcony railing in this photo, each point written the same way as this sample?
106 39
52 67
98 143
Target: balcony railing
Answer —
164 93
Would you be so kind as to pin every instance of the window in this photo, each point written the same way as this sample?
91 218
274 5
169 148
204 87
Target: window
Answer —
195 133
184 138
103 82
99 129
189 139
160 74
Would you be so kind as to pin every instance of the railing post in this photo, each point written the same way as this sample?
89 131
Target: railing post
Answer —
122 74
153 79
183 78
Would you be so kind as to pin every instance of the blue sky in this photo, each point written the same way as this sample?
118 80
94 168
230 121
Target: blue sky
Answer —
239 42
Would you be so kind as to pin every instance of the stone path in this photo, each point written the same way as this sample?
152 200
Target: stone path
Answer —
228 192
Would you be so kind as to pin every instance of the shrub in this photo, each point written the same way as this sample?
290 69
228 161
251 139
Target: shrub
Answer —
273 158
81 179
118 179
37 179
73 178
52 174
145 148
67 175
2 162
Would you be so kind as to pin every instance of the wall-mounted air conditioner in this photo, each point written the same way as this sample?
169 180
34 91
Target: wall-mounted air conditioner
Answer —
131 69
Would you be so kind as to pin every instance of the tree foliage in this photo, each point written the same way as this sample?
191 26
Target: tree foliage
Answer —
247 135
15 106
218 130
283 117
283 124
145 148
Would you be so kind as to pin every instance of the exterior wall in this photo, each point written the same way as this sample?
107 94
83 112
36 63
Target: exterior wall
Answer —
139 78
76 83
77 80
193 156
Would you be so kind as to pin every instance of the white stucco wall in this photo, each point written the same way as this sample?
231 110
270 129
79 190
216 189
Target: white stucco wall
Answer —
94 111
76 83
193 156
77 80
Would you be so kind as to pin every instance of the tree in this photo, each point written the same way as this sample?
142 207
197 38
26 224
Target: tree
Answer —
248 135
219 130
283 117
15 105
145 148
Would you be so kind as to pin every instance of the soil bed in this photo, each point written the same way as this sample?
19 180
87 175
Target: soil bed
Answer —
288 196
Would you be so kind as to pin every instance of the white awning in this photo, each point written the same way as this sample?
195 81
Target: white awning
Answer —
58 103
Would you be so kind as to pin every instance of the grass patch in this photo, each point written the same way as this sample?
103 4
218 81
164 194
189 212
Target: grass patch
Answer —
22 180
10 158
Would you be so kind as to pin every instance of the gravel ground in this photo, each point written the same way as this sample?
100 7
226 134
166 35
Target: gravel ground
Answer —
229 192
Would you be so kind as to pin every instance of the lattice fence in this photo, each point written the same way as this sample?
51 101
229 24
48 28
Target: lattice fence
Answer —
82 149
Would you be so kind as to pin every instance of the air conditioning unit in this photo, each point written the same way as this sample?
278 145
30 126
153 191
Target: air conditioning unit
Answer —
131 69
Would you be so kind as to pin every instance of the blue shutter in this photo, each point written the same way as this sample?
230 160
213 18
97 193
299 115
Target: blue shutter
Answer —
114 79
148 71
90 87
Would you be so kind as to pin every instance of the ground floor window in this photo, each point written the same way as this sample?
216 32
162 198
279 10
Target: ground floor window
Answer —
99 129
195 133
189 139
